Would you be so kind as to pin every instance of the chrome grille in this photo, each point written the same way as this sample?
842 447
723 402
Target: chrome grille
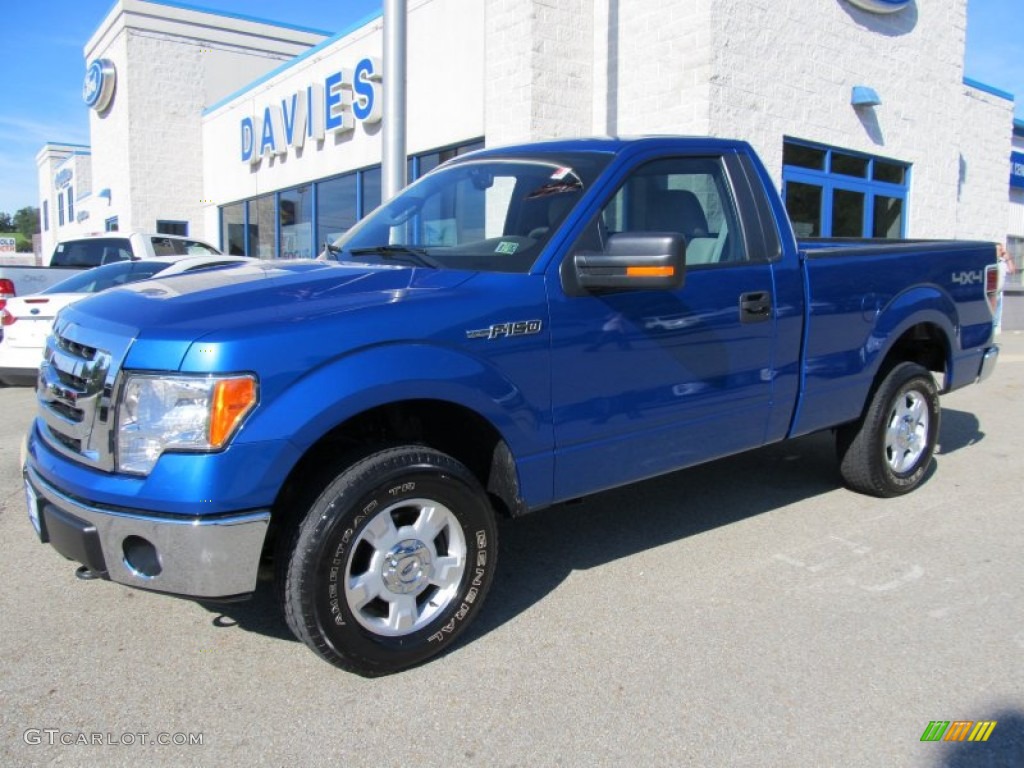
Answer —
76 349
74 393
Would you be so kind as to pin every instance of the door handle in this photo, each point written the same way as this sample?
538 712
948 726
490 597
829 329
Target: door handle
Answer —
755 307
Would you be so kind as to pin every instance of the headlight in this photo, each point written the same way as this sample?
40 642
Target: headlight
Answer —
178 413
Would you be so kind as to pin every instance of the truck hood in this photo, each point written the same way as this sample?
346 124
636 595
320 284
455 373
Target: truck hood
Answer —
262 293
165 316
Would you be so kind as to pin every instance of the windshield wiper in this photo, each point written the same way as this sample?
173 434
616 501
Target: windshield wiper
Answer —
407 253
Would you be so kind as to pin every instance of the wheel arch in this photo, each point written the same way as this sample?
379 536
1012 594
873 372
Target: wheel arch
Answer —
473 441
926 343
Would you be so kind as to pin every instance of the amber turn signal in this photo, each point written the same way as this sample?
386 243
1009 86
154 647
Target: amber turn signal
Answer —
232 400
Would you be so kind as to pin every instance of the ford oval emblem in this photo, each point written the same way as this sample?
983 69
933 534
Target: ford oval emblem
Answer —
881 6
33 311
98 88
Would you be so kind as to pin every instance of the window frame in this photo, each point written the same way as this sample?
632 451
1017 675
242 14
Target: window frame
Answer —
829 181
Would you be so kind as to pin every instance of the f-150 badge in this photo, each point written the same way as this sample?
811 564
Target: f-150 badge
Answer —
499 330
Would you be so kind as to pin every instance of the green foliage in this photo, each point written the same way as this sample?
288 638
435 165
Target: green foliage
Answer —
21 226
26 221
22 245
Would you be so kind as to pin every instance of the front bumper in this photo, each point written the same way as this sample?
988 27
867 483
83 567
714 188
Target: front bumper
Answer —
209 557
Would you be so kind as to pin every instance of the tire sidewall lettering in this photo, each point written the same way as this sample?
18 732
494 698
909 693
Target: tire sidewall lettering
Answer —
329 597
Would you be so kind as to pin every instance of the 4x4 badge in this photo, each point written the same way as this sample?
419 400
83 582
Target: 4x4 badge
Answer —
499 330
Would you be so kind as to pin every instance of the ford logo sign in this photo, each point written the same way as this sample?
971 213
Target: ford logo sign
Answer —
881 6
98 88
63 178
33 311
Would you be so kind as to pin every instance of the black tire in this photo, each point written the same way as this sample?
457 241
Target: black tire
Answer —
392 561
889 450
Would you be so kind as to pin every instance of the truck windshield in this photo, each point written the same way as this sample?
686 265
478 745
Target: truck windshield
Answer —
490 214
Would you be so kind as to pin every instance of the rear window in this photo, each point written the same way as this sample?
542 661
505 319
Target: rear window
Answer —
91 253
110 276
173 246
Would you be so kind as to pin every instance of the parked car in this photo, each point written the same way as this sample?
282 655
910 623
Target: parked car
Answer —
26 320
95 250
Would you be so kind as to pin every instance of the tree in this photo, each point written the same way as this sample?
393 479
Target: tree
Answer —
26 221
6 224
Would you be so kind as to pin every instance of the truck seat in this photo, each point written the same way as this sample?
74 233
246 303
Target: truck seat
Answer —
679 210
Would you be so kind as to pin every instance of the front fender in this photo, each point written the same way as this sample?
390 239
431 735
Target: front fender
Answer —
364 379
322 398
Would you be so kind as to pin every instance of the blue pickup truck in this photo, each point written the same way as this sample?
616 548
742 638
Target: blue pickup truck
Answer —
521 327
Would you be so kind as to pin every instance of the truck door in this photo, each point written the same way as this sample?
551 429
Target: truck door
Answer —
644 382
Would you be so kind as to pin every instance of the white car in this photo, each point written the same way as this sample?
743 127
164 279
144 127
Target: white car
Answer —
25 321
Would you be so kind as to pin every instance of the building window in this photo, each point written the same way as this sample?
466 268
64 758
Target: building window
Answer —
424 164
296 222
110 225
336 210
71 206
232 229
262 227
372 183
46 215
1015 247
295 208
165 227
60 209
831 192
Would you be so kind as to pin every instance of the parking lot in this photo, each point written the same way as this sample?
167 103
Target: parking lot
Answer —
750 612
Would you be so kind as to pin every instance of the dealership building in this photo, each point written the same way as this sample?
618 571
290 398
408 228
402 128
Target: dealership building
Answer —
266 138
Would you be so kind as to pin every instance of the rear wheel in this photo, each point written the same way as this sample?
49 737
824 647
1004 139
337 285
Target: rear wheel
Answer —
888 451
392 561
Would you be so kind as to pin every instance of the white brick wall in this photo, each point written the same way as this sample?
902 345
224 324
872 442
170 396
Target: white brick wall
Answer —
538 69
761 70
985 136
517 70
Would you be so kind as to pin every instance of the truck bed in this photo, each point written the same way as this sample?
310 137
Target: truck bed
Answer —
860 295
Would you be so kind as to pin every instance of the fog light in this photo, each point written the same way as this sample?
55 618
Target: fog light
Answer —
141 557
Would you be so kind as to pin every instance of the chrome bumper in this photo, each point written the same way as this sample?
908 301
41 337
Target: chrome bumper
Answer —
189 556
988 363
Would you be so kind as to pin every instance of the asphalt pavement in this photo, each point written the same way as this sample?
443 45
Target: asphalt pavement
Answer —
750 612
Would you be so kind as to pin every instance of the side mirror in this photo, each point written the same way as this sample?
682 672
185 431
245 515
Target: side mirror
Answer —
640 261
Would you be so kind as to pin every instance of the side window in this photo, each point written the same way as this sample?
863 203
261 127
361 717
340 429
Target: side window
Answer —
688 195
196 248
164 246
114 253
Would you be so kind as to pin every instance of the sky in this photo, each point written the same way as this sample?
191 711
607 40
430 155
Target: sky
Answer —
41 60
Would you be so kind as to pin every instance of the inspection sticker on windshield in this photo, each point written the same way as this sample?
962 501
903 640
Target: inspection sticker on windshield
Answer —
507 246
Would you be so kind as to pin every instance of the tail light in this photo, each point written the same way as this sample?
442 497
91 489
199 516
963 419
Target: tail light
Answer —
992 286
6 318
6 288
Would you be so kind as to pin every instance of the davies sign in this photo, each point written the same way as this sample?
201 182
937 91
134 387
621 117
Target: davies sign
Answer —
331 106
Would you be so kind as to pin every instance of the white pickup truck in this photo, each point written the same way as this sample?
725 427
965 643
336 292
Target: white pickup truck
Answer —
92 251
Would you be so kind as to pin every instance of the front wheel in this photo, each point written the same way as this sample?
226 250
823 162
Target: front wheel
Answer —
888 451
392 561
